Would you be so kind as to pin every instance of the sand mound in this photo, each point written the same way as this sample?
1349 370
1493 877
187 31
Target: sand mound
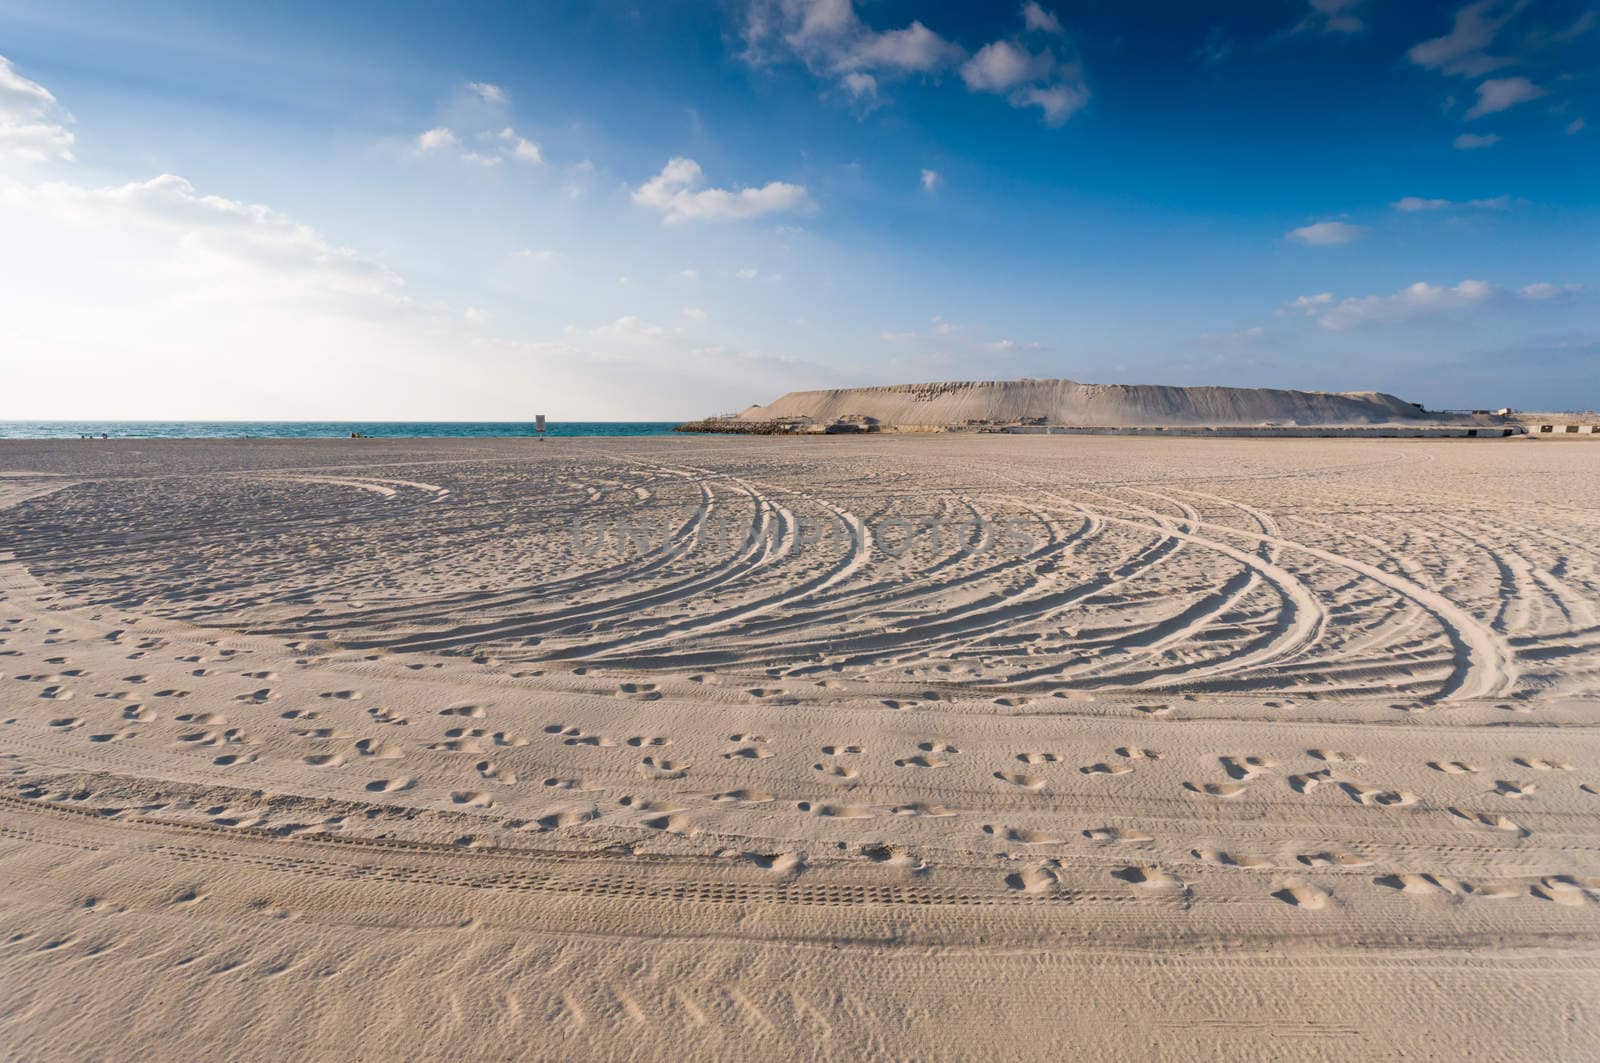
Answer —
1065 402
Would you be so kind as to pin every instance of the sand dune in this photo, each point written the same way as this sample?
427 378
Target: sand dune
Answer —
1065 402
973 745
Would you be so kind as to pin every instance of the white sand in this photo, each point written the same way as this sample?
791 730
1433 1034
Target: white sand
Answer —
344 750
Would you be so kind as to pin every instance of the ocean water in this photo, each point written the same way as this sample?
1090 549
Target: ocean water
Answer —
320 429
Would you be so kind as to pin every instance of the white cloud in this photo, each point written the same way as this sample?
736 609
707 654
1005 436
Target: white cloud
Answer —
629 328
1463 50
1575 126
1312 304
749 273
475 316
1413 204
1333 16
31 120
930 180
832 41
488 93
215 235
999 346
691 275
542 256
677 194
437 139
694 313
1037 19
1413 301
1058 102
520 147
1002 66
1325 233
861 86
1474 141
916 49
1501 94
1544 291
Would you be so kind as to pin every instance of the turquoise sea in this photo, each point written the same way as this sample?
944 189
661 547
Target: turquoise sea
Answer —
319 429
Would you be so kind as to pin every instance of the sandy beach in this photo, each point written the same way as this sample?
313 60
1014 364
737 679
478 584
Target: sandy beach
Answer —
948 747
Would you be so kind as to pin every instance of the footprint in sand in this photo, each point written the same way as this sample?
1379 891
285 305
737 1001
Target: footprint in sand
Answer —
1033 879
937 747
1153 710
638 741
1366 795
1540 764
1311 898
1147 877
1333 858
472 712
1133 753
556 783
489 770
1039 758
1511 788
257 697
1422 885
922 760
638 691
840 751
341 695
323 760
1216 856
66 723
892 856
1115 835
1105 769
1452 767
743 797
390 786
471 798
1017 778
557 820
836 771
661 768
748 753
785 863
1493 821
1022 835
1243 769
836 811
923 809
595 741
228 760
1216 789
1334 756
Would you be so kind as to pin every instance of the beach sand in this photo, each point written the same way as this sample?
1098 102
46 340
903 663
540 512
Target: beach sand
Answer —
506 748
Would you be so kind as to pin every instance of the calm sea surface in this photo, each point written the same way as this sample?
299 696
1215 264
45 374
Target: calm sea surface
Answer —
318 429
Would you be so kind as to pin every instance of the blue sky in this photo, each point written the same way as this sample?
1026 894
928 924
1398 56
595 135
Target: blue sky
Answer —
668 209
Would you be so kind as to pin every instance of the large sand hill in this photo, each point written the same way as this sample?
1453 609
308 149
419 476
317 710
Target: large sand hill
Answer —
347 749
1066 402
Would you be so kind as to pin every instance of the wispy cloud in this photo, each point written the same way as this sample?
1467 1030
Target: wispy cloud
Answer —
489 93
1414 204
32 124
678 194
1502 94
1326 233
1464 50
1333 16
1419 300
1474 141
